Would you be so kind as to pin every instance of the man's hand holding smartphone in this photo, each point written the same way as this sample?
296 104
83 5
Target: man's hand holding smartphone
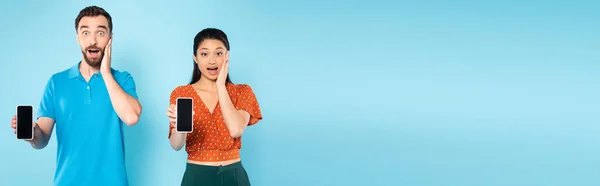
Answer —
36 129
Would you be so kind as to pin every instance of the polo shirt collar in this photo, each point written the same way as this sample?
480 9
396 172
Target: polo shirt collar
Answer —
74 71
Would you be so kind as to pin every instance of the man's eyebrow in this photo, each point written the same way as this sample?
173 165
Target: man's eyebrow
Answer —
101 26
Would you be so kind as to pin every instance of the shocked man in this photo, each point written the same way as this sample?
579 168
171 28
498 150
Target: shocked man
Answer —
88 103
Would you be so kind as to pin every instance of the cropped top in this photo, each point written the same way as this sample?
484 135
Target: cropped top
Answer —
210 139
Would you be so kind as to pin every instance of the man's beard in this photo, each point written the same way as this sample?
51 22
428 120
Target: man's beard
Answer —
95 63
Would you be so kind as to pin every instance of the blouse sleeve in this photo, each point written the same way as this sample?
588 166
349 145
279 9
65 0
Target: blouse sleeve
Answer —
246 100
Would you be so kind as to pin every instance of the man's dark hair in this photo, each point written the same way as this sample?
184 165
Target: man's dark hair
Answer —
93 11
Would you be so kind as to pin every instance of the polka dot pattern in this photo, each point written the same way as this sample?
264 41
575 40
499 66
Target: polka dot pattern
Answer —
210 139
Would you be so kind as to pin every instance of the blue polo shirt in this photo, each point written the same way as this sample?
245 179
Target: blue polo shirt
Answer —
88 131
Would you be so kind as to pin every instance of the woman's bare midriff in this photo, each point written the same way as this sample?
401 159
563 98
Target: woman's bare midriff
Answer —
214 163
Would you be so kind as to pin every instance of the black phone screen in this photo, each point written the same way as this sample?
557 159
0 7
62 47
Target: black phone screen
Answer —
184 115
24 122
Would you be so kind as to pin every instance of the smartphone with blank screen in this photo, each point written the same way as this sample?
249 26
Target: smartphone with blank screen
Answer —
24 122
185 118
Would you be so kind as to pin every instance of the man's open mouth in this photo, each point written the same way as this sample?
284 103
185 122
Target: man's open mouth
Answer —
93 52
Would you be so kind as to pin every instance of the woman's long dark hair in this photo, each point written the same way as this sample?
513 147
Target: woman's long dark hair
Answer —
208 33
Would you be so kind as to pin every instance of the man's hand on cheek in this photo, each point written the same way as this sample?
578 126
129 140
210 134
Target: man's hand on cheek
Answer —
105 65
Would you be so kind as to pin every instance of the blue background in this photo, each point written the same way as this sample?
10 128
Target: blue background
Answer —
453 93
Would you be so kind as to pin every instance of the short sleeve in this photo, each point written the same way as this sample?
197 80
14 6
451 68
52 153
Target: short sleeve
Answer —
128 84
173 99
47 107
246 100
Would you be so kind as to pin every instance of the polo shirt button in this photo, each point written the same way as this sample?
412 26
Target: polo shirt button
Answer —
88 87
